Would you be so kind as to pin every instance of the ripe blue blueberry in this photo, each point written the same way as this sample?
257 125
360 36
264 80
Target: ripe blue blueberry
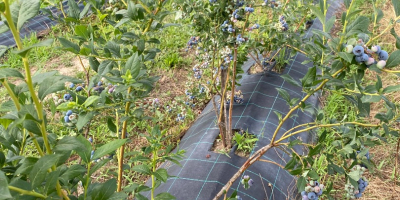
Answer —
312 195
67 97
99 83
359 59
79 88
72 85
358 50
90 139
303 193
91 154
66 119
364 57
69 112
383 55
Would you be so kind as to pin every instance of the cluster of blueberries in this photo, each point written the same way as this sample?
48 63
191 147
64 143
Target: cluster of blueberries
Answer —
312 191
70 117
247 182
284 25
255 26
197 72
237 98
180 117
78 88
353 192
240 39
193 41
375 55
249 9
227 27
273 3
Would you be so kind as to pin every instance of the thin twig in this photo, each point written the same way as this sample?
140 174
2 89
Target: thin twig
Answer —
265 190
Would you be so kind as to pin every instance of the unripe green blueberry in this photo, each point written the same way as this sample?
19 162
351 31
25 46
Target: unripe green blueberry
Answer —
381 64
312 183
349 48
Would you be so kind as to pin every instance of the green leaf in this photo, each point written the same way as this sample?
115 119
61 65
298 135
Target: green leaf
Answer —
346 56
106 190
51 181
4 191
144 169
32 126
318 13
393 32
355 175
26 50
111 124
78 144
392 88
39 170
134 65
360 25
8 72
336 168
396 6
118 196
285 95
94 63
72 172
83 119
309 78
28 10
89 101
73 10
164 196
50 85
161 174
378 84
2 159
3 49
98 165
313 175
114 48
394 59
289 79
108 148
370 98
301 183
68 45
27 165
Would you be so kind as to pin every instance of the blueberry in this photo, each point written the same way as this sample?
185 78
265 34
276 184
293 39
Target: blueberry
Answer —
364 57
358 59
90 139
67 97
358 195
72 85
303 193
79 88
358 50
69 112
91 154
383 55
66 119
99 83
312 195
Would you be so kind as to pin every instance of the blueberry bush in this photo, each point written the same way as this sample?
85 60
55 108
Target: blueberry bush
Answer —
115 82
231 34
120 39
